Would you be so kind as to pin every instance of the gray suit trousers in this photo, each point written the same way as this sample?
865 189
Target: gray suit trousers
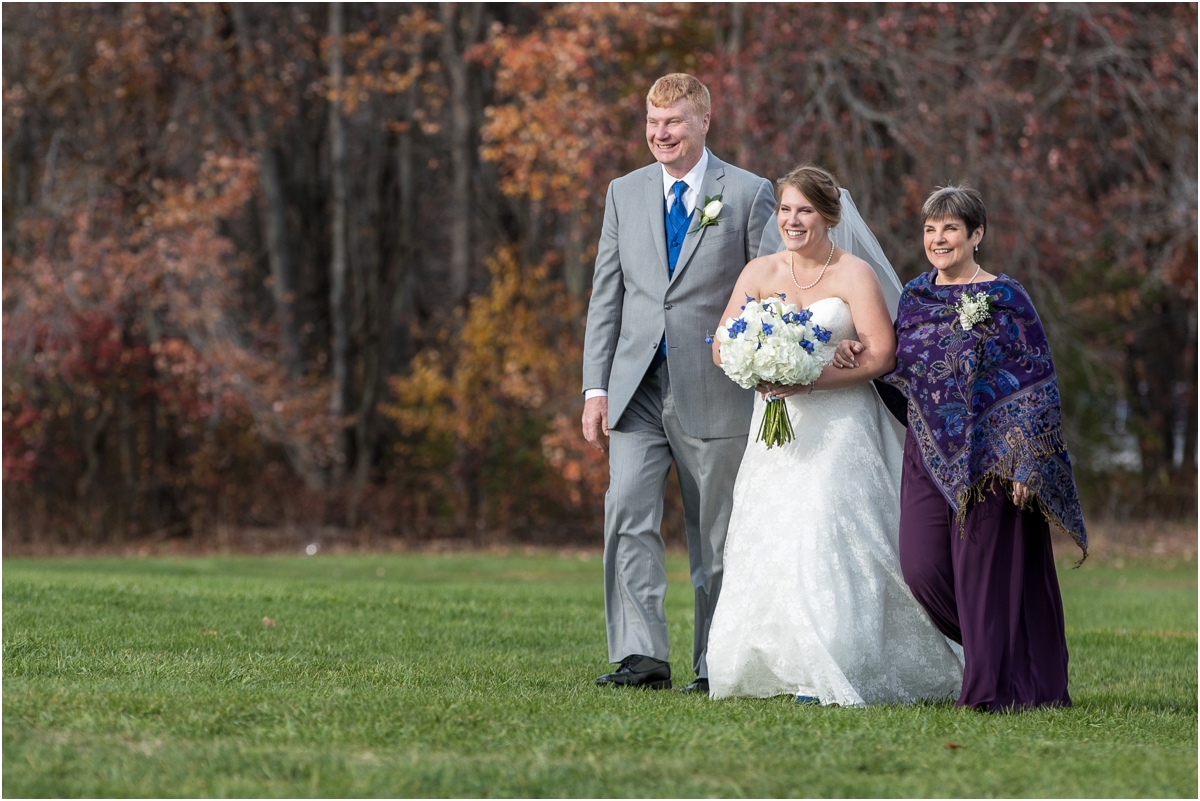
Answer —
642 447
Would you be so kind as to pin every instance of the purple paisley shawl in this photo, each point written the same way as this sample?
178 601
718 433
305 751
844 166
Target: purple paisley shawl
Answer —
983 404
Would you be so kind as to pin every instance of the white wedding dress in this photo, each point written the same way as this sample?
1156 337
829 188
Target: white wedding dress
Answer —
813 602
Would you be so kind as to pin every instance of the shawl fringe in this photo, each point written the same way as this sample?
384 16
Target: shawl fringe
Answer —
986 485
1011 429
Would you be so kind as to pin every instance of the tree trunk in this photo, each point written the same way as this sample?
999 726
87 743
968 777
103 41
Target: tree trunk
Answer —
576 270
94 434
461 155
466 467
404 274
736 32
1155 378
339 402
1188 392
127 511
283 271
370 323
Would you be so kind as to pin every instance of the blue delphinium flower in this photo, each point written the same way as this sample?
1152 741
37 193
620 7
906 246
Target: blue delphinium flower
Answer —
795 340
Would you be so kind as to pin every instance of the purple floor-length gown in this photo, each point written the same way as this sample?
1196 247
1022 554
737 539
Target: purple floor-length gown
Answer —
994 590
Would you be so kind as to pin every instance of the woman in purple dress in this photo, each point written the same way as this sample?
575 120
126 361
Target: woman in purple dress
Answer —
985 465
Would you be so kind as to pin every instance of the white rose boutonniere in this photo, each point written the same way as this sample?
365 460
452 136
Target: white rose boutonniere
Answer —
709 212
973 309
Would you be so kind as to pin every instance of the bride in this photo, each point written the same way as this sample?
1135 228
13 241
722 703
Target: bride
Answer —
813 602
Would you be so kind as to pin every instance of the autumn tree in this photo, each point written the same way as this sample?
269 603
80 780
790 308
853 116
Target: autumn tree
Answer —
1076 122
325 266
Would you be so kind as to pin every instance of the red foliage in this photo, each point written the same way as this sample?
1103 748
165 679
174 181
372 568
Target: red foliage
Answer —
144 389
1078 124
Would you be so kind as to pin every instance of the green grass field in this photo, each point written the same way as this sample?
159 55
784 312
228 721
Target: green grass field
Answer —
473 676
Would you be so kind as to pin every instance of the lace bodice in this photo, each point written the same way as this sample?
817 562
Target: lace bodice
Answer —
813 601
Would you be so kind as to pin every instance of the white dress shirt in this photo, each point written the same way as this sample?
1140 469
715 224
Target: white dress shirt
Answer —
694 178
691 197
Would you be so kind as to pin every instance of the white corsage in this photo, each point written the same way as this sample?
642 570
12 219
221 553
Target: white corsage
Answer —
973 309
709 212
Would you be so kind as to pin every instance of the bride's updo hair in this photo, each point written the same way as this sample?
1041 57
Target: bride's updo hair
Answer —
818 186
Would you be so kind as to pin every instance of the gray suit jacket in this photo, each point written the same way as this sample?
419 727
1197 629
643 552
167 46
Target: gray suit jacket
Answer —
633 302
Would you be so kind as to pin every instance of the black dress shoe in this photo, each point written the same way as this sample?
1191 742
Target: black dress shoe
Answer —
698 686
639 671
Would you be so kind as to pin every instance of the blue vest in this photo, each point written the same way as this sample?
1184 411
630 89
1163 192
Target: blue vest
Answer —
676 231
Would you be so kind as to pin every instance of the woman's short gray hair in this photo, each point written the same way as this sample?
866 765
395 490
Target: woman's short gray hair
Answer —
961 202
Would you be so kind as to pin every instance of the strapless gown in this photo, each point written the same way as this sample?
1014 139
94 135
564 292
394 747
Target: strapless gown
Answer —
813 601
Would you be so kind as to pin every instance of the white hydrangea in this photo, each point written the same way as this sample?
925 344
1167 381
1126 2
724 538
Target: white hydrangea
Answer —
750 356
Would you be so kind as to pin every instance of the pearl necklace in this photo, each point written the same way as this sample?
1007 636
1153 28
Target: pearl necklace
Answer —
792 268
970 280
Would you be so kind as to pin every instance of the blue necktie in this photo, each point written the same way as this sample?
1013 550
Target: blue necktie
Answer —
677 222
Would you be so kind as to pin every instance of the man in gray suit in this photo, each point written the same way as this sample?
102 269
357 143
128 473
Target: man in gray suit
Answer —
664 271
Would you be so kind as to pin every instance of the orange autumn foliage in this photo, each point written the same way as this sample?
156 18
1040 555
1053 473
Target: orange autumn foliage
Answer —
168 227
493 381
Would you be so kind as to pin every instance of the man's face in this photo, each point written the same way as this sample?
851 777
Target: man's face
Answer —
675 136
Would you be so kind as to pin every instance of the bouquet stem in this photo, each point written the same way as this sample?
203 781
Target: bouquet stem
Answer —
776 428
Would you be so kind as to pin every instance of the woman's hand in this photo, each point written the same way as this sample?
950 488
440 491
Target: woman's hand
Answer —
846 352
776 391
1021 494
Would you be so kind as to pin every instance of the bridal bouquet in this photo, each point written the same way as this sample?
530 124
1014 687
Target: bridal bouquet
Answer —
773 342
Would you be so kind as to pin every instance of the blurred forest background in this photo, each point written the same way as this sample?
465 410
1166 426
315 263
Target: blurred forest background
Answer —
322 267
